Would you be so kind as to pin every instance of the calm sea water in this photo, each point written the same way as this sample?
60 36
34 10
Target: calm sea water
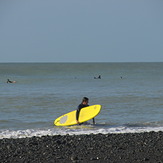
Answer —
131 95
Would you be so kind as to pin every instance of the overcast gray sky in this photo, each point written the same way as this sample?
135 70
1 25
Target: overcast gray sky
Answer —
81 30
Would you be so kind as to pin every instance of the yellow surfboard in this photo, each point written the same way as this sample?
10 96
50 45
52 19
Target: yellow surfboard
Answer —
86 114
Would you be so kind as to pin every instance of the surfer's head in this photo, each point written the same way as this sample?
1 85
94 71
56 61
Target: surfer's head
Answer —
85 100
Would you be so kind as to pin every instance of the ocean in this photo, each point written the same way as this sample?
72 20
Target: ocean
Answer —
131 95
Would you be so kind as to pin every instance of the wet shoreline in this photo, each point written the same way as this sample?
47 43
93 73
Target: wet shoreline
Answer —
128 147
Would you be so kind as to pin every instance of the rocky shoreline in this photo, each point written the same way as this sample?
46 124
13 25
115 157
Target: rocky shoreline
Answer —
107 148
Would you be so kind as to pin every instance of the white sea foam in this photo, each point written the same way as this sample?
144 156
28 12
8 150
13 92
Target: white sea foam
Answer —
71 131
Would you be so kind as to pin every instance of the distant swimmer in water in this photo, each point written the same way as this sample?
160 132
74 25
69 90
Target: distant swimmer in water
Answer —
99 77
9 81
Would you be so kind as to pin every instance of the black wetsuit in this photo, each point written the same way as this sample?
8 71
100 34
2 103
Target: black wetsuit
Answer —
78 111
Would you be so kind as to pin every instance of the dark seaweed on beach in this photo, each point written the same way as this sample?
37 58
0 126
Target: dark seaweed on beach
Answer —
111 148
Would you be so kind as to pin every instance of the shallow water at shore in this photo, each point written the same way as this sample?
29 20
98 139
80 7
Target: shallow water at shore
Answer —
130 95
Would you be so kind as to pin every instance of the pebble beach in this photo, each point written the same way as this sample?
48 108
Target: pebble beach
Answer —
111 148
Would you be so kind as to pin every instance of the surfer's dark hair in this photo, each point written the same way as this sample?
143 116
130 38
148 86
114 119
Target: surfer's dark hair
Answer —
85 99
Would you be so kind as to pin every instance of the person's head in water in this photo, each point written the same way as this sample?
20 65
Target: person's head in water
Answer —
85 100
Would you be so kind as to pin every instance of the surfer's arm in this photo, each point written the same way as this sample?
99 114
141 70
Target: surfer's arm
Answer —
78 112
77 115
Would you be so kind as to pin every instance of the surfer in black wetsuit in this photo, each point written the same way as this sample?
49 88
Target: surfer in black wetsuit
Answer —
82 105
99 77
9 81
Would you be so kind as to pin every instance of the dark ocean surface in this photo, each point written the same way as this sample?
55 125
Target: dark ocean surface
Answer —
131 95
